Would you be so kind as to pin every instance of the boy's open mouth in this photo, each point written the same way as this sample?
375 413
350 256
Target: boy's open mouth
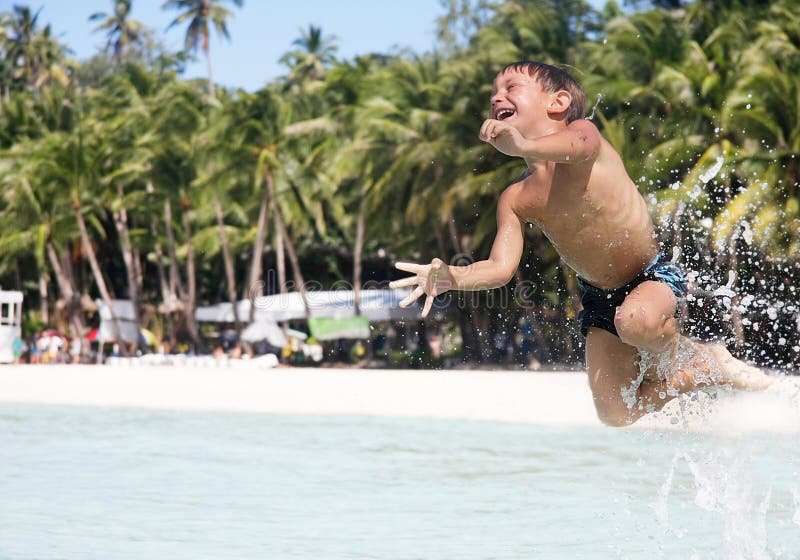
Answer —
502 114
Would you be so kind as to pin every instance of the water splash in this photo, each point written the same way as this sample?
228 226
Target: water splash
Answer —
661 505
723 476
596 103
727 289
665 368
723 485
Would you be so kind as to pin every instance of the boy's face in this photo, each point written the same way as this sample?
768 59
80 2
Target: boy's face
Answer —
518 99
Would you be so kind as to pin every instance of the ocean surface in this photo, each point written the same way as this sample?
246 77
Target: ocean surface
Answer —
115 483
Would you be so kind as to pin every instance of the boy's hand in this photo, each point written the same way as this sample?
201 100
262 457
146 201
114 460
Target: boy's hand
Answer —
431 279
504 137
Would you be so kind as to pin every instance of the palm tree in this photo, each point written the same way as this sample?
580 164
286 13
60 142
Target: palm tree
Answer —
314 53
253 131
126 126
61 163
218 172
33 57
42 226
120 29
178 114
199 14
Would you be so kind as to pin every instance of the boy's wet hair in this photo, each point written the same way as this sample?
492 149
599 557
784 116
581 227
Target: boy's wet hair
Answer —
553 79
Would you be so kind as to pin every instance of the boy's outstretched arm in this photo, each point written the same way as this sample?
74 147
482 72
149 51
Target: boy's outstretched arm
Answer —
437 277
578 143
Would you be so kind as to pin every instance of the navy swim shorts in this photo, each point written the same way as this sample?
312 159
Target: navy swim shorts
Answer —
599 306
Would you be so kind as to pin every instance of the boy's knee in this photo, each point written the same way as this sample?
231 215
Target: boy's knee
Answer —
638 328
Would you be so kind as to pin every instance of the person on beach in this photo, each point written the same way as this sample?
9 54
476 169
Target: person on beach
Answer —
576 189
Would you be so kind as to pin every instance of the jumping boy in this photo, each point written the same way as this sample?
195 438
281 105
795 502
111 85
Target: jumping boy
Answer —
577 190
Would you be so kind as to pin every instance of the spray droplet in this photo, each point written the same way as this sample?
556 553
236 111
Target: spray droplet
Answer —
712 172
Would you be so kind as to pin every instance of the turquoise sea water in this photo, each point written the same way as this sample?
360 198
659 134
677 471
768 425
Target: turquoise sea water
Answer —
89 483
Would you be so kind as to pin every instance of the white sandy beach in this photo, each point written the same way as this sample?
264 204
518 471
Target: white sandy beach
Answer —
555 398
546 398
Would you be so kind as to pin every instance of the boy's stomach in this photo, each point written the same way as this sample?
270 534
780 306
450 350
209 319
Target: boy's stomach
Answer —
605 261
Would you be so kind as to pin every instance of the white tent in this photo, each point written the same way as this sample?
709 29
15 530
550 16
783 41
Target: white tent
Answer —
126 319
376 305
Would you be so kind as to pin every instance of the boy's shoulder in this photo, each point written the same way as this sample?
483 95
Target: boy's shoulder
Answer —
512 192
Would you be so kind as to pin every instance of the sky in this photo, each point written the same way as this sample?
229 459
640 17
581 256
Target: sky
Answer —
261 31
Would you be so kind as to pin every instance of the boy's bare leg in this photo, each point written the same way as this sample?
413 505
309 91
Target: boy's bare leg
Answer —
646 320
623 393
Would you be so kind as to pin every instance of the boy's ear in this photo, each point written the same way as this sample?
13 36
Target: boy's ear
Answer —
559 102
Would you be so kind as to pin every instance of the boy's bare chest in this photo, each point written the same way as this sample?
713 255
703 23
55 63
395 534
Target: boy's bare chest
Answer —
553 199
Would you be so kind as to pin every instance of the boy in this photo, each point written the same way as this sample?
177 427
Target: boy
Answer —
577 190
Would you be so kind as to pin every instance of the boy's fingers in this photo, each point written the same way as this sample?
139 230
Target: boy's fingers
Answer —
413 296
498 128
482 133
404 282
409 267
428 305
486 129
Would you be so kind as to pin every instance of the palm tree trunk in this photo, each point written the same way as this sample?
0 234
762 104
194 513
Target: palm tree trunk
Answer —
167 296
98 277
175 282
295 262
121 223
228 262
357 253
280 260
72 303
44 310
454 238
255 286
191 280
138 276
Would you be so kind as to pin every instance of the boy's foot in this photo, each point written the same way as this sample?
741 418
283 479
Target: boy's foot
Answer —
735 372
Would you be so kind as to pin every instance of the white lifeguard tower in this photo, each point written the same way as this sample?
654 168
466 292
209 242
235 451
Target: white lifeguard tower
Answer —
10 323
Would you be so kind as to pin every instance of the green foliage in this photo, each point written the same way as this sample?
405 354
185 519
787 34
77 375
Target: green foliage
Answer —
683 87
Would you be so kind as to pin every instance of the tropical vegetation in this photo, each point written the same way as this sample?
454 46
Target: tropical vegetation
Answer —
121 180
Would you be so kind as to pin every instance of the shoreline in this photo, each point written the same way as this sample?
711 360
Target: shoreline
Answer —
509 396
548 398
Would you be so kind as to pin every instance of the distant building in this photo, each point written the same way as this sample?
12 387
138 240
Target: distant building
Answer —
10 324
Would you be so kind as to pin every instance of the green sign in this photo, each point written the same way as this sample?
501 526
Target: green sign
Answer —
327 328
